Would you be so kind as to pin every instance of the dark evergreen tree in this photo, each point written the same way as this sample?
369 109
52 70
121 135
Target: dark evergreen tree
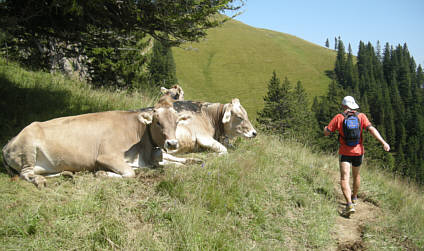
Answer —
286 111
350 75
327 43
270 114
340 64
303 120
116 62
162 71
389 87
419 85
387 63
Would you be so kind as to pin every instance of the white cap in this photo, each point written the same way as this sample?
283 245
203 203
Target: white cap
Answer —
349 101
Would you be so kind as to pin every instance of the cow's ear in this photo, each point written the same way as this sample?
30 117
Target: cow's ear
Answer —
163 90
145 117
180 90
227 114
183 118
235 101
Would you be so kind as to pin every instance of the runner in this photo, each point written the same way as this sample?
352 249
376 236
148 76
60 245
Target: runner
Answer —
350 125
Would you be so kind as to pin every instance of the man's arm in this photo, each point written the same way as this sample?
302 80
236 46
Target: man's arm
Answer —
377 135
327 132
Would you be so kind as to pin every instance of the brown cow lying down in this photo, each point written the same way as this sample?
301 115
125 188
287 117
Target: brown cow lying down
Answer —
112 141
209 124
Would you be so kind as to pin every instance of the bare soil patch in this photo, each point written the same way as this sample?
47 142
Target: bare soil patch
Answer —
349 232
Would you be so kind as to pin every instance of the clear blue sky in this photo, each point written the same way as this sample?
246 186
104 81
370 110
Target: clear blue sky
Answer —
392 21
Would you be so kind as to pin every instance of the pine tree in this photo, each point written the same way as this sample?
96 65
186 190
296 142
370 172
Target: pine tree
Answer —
419 85
389 118
387 63
340 64
350 75
286 107
286 111
389 87
162 66
303 120
270 114
327 43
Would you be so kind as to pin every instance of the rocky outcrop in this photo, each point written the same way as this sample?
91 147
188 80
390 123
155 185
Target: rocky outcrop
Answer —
68 59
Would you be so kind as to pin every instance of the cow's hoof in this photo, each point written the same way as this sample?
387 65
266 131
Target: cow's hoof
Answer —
67 174
191 161
40 181
101 174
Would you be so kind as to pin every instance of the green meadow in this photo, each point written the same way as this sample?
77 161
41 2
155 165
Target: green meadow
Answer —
237 60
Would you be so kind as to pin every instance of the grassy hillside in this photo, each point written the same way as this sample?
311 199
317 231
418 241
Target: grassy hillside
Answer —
36 96
237 60
265 194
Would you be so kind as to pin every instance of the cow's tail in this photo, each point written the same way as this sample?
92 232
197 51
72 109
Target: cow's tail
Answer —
9 169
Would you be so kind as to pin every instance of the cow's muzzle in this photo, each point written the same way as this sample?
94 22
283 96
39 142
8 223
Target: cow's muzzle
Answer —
171 144
251 134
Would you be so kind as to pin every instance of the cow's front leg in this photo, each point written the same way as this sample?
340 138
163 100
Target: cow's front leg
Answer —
211 143
28 174
168 158
116 165
28 171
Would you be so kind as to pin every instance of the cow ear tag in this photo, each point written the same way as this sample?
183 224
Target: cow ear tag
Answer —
145 118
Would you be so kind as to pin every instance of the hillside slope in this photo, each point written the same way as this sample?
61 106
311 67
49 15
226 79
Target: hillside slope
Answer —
237 60
265 194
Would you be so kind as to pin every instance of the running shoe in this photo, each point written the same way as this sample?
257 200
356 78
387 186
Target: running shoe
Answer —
355 201
350 209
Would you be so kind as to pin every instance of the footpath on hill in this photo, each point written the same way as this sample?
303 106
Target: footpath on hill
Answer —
349 232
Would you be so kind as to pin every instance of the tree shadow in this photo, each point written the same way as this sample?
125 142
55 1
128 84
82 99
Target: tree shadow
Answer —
330 73
20 106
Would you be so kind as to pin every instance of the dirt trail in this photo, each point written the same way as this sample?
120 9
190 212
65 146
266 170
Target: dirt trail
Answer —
348 232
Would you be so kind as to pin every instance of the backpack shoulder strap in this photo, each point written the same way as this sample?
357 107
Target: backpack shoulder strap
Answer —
360 120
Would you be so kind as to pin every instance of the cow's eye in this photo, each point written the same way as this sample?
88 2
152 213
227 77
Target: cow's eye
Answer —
240 118
159 124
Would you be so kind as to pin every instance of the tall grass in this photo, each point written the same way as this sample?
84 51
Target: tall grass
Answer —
401 223
261 196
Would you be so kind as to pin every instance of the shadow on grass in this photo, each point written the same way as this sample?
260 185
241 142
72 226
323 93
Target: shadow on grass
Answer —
331 74
20 106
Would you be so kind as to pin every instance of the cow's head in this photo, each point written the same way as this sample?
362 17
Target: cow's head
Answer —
175 92
235 120
163 123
